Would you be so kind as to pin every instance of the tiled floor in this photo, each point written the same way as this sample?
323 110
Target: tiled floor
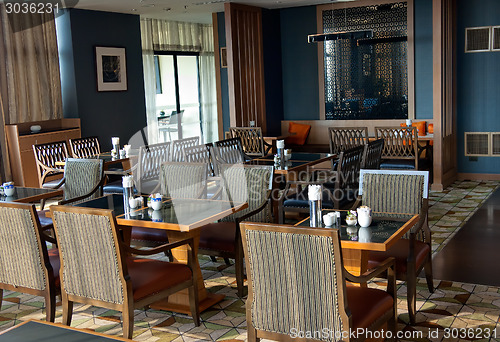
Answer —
452 306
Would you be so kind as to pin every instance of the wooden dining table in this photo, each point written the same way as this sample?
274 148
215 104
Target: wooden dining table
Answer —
384 231
300 164
181 219
108 160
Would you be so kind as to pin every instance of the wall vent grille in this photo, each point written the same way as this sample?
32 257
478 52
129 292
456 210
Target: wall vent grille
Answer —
495 46
477 39
495 144
477 144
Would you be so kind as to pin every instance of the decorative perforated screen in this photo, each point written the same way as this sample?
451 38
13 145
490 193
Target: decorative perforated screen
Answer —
366 78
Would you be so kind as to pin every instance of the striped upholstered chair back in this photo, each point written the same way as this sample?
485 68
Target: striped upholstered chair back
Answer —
81 177
248 183
394 191
91 263
183 180
24 260
295 279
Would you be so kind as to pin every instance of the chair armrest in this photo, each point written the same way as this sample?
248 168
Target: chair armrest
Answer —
159 249
79 198
256 210
357 203
368 275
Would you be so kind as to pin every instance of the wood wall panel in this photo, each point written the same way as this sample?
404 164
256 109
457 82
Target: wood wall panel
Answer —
245 65
444 93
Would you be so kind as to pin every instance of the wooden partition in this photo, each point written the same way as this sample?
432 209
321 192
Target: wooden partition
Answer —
245 61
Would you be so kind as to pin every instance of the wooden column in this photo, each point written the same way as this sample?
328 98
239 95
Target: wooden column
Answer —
245 65
444 93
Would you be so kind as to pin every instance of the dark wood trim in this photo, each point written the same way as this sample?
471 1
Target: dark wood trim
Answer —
218 77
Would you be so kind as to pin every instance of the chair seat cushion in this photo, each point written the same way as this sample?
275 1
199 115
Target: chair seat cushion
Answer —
218 236
45 222
114 187
367 305
398 164
150 276
55 262
51 184
149 234
400 252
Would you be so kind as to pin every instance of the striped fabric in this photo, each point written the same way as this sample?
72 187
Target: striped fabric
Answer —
81 177
294 283
247 184
183 180
393 193
20 261
89 256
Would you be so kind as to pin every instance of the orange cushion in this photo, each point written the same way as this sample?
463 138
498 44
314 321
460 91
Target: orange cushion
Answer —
430 128
420 127
298 133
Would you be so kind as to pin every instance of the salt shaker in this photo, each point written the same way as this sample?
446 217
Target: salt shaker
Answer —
314 194
115 141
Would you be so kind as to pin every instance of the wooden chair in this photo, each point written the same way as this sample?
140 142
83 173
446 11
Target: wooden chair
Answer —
147 173
252 140
230 151
339 185
201 154
25 263
373 155
243 183
101 271
177 180
297 282
400 147
83 180
178 147
84 147
345 138
403 193
46 156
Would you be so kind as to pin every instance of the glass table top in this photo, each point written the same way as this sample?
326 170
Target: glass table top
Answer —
182 213
383 226
23 194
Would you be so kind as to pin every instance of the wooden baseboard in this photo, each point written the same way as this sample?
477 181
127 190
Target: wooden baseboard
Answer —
479 176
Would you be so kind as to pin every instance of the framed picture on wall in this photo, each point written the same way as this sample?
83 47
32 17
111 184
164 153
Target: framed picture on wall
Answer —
223 57
111 68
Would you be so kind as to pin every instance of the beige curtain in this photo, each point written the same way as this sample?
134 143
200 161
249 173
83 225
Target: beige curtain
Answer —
29 71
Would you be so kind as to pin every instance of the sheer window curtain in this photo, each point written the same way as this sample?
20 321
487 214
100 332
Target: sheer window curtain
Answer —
29 73
161 35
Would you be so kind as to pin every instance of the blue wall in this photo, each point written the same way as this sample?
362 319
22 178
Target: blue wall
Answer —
103 114
300 64
478 84
423 59
221 29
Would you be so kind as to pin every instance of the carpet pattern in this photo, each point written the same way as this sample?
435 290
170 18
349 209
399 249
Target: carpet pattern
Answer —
454 312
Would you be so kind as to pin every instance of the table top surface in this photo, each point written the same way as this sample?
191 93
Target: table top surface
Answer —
27 195
175 214
297 161
106 157
34 331
384 231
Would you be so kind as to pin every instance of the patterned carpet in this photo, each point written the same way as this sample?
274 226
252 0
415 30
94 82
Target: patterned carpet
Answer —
454 312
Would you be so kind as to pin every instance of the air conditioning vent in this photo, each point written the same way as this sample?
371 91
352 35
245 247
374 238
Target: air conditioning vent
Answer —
477 143
495 46
477 39
495 144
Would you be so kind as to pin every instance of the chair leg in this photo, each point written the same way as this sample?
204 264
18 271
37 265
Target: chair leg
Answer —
193 303
214 259
428 274
67 310
1 298
50 307
227 261
238 265
128 322
411 295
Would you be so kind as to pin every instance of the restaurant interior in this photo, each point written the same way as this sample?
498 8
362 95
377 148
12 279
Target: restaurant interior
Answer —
249 170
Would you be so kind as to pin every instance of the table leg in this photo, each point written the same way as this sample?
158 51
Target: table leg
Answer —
179 302
356 261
